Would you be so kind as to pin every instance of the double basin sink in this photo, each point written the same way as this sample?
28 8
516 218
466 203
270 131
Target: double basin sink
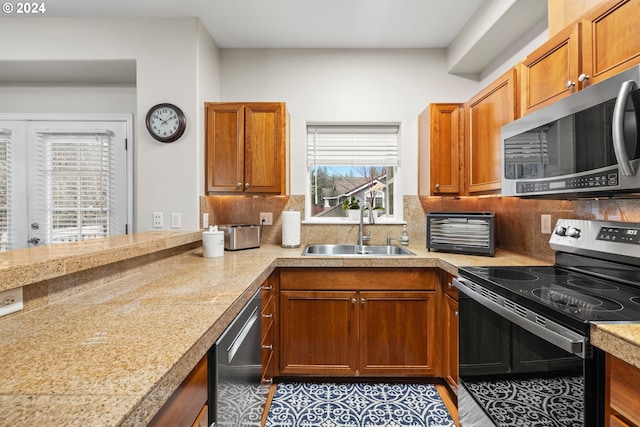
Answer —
356 250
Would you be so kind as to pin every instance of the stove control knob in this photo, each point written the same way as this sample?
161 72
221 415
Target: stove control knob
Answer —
561 231
573 232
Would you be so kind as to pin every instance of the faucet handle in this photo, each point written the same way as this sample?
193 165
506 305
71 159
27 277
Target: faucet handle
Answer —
366 237
389 239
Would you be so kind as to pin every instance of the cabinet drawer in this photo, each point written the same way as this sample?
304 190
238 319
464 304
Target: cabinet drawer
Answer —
358 278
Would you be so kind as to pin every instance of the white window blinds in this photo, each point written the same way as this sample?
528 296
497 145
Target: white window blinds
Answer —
336 145
75 173
5 190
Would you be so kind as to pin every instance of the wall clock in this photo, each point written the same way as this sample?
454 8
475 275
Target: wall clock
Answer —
166 122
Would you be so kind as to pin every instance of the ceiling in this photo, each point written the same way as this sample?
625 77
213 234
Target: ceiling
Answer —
300 23
474 32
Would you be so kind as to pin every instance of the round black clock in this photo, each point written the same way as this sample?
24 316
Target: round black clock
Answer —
166 122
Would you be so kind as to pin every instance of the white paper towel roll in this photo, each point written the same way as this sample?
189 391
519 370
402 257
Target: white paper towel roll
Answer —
290 229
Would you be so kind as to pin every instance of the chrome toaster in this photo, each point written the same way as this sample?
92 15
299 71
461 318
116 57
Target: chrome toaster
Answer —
241 236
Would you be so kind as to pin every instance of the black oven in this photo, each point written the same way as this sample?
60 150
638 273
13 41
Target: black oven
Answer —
524 352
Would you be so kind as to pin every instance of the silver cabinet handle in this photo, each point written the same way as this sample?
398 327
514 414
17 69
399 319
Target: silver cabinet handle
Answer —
582 77
267 288
353 300
267 381
450 285
267 316
362 301
246 185
569 84
617 131
239 185
437 186
267 347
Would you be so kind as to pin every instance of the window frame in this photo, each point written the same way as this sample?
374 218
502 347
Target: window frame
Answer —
397 218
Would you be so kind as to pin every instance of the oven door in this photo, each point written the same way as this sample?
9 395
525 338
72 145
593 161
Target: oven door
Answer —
510 376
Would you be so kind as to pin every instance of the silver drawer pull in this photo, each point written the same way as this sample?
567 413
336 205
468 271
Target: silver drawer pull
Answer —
267 316
267 347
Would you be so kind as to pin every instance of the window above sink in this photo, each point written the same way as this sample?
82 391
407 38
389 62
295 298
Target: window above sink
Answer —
353 161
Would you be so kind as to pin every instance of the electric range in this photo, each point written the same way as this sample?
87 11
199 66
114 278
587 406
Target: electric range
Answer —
526 328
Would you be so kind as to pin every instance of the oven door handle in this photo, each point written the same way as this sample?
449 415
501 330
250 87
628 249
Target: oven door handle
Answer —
551 331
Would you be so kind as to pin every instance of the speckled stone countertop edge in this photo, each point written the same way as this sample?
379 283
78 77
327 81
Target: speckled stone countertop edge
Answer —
23 267
621 340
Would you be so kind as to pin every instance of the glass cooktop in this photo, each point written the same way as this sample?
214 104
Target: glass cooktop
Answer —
571 298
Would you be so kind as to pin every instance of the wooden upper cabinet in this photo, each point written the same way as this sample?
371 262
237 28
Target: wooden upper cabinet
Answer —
445 141
601 44
563 13
610 41
551 72
246 148
485 114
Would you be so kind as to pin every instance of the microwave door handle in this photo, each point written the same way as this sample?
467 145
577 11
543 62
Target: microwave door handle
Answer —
617 132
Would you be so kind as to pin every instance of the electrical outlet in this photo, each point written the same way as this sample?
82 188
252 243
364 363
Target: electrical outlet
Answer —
545 224
158 221
11 301
176 220
205 220
266 218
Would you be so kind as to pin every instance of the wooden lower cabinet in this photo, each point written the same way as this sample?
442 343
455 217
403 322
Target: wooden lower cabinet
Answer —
622 393
187 407
318 332
357 332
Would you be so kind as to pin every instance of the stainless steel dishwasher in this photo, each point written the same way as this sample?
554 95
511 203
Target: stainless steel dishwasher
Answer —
236 397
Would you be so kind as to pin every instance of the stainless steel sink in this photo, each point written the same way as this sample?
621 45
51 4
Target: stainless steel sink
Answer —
356 250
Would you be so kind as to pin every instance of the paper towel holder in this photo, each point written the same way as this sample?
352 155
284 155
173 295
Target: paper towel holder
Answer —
289 246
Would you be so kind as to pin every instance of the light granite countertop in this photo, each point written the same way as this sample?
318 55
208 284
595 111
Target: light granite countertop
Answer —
622 340
113 354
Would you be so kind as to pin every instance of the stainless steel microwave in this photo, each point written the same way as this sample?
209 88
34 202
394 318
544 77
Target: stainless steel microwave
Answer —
585 145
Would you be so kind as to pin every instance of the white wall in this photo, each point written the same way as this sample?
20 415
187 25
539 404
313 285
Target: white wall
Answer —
330 85
173 56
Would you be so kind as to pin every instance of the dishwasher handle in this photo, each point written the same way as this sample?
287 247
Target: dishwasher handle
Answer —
239 339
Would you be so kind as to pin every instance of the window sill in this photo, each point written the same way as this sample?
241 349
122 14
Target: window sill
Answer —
345 221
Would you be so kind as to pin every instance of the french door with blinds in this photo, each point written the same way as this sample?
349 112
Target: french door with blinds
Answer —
62 181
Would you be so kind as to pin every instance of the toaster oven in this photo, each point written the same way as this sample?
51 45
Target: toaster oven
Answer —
470 233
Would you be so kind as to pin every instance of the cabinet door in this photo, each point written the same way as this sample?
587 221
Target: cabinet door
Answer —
610 41
446 148
622 384
397 333
188 402
485 115
544 74
318 333
451 341
225 147
265 148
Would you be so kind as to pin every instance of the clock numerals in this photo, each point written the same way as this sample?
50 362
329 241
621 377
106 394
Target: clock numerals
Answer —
166 123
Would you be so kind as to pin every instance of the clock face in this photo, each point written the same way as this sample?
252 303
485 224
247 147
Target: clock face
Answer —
166 122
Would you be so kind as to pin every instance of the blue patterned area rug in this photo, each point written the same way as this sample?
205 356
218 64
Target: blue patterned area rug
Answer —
357 405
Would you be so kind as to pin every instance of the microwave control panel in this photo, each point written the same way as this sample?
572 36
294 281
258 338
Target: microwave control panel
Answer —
595 180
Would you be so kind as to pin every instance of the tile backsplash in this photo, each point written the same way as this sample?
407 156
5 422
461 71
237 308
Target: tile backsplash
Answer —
517 220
